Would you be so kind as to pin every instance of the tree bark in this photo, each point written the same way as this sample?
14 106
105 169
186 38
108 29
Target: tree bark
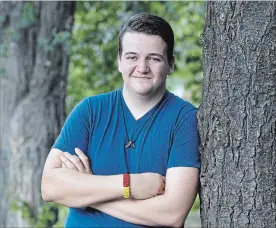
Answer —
33 72
237 118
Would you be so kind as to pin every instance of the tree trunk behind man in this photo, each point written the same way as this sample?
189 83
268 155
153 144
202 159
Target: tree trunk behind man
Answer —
237 118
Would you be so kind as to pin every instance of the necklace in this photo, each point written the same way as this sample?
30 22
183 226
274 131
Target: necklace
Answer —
131 143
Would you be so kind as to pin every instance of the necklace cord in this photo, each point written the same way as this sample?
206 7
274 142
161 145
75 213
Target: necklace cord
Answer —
130 142
128 138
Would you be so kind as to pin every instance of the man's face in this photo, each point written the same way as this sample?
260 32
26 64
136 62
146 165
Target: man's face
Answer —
144 63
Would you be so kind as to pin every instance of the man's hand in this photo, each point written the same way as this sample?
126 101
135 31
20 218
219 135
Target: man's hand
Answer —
142 185
147 185
80 163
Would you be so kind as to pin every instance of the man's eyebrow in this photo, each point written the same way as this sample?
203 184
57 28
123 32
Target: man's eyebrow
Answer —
157 54
150 54
130 53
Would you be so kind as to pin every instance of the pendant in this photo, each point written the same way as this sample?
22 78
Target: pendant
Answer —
130 144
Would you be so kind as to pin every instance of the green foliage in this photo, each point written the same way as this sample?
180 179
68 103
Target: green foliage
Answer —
188 25
26 212
93 61
196 205
28 15
48 214
57 38
62 38
62 214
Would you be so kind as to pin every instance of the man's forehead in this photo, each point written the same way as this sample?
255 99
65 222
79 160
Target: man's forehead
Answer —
136 42
132 36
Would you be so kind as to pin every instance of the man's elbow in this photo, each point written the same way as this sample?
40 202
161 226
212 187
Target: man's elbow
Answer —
45 196
51 193
45 193
48 190
176 220
178 223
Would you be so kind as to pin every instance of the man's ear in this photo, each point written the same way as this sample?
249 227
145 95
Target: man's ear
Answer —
171 70
119 63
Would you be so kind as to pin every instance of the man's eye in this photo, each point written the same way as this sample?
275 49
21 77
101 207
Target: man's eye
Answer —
132 57
154 59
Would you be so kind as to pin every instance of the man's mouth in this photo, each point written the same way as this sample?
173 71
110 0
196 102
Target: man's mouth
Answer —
141 77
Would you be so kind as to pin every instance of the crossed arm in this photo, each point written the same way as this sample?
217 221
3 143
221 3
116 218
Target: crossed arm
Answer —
76 189
168 209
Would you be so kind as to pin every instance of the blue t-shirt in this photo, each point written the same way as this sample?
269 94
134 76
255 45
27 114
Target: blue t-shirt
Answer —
166 137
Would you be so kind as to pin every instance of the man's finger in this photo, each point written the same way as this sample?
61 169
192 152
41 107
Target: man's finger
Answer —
84 159
75 161
63 165
67 162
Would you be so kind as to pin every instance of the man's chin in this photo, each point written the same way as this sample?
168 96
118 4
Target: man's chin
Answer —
143 91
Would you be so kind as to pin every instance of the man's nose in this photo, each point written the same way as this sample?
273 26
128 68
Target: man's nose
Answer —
142 66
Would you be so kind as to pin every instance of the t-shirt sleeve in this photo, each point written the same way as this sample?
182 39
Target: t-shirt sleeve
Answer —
185 144
75 131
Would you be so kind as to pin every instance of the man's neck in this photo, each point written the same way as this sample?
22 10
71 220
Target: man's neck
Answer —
138 104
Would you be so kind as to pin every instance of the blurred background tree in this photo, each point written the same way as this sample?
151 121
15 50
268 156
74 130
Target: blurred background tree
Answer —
34 59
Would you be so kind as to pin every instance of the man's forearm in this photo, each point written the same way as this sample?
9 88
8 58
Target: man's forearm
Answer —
75 189
157 211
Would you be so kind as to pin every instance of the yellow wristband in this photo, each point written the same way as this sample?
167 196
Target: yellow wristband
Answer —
126 192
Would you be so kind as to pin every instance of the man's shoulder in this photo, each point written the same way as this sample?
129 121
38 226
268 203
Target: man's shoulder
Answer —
180 104
103 98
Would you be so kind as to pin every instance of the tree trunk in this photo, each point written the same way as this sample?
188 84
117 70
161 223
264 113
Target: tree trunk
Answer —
34 42
237 118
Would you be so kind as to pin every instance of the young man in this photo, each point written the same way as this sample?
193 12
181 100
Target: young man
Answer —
141 129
